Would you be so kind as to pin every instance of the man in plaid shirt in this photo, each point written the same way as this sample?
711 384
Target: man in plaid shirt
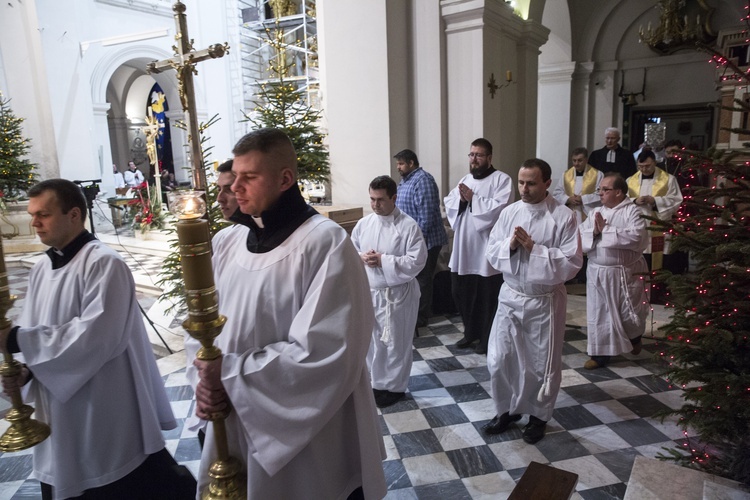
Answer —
419 198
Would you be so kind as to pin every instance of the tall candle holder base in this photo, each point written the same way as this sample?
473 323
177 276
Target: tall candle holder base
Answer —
204 324
24 432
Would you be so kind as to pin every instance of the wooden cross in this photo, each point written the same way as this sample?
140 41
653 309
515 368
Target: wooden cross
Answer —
184 63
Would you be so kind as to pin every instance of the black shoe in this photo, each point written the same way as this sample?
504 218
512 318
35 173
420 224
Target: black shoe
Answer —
480 349
464 343
500 423
378 392
388 398
421 323
534 430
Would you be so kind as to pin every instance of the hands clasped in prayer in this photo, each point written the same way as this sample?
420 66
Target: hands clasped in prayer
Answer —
575 200
210 396
466 193
521 238
645 201
599 223
371 258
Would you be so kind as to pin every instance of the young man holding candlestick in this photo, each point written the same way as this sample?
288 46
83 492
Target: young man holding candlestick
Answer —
89 364
299 321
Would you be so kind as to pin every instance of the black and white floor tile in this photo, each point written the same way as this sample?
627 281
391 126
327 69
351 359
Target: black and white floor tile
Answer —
603 420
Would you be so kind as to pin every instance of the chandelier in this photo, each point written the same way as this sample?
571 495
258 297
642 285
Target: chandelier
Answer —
678 30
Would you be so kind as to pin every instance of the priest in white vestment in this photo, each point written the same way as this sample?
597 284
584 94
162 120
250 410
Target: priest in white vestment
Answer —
614 237
577 188
535 244
393 252
299 322
657 194
89 367
472 209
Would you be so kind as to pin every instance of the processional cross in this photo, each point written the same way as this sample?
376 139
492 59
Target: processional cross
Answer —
184 63
152 129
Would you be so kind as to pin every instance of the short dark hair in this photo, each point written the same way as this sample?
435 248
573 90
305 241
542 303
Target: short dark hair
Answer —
225 167
384 182
619 182
263 140
483 143
542 165
580 151
68 194
645 155
673 142
407 155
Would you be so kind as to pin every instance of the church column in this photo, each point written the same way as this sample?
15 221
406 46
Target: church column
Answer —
103 153
553 136
355 93
579 106
21 50
602 99
429 92
486 39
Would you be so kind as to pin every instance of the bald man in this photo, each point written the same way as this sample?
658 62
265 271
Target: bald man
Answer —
299 323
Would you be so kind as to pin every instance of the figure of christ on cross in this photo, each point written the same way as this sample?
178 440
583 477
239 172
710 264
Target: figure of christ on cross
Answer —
184 63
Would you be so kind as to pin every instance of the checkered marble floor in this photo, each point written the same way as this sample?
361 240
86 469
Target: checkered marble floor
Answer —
436 449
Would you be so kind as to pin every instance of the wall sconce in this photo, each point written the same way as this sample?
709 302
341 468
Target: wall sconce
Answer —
629 98
494 87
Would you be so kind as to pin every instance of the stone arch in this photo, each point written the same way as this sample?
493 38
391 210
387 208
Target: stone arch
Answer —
119 79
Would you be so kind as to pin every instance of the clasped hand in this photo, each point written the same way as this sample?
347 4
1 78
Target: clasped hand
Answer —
371 258
521 238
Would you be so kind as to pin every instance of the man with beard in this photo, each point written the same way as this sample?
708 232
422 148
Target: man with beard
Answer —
472 208
419 198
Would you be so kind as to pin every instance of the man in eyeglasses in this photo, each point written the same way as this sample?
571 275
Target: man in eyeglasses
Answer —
472 208
614 237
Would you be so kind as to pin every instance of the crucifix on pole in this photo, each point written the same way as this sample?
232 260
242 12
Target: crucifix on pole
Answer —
152 129
184 63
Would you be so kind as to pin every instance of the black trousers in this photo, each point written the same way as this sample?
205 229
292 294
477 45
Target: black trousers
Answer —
425 280
476 299
159 477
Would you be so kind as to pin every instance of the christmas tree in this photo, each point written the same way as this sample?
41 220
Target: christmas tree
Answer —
16 173
708 338
281 103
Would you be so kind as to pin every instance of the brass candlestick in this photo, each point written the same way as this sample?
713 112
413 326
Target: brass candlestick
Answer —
204 324
24 431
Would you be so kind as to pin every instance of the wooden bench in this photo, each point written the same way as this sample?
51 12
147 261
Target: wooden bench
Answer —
544 482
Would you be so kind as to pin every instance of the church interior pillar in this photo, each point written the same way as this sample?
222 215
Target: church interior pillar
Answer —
579 102
553 132
26 80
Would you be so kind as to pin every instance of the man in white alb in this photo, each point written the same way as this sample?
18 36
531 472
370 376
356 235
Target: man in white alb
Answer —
89 365
393 252
614 237
299 322
535 244
472 209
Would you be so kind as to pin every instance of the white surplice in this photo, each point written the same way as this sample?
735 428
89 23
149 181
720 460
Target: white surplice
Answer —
616 299
395 293
472 227
299 322
588 201
95 382
525 350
